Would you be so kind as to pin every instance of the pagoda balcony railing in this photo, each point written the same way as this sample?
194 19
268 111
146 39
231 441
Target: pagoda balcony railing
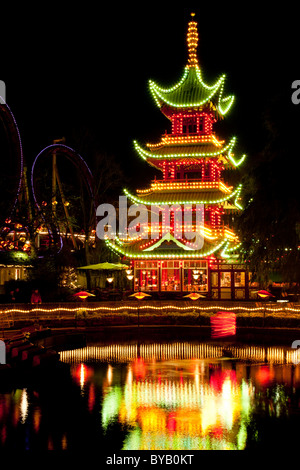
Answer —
191 138
181 184
174 136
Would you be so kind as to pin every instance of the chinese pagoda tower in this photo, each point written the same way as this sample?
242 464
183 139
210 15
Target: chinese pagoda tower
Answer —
191 159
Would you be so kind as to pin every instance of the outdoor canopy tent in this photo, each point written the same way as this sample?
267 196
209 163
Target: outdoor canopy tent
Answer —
105 266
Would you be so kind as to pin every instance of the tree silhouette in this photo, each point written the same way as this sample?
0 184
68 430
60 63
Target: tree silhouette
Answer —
270 224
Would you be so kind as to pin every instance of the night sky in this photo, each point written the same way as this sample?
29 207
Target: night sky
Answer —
88 66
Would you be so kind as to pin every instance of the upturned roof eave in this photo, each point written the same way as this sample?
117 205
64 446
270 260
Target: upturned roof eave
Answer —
190 93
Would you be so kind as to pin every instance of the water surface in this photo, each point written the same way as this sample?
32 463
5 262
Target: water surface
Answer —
157 396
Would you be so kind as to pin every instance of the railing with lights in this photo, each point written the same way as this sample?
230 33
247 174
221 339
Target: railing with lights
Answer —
12 313
179 184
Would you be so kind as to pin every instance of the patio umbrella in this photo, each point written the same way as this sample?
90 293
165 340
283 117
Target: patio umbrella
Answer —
83 295
195 296
139 296
264 294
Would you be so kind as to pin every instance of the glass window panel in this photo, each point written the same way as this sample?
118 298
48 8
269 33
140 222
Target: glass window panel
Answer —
239 279
214 293
146 279
225 279
239 293
170 280
226 293
192 282
214 279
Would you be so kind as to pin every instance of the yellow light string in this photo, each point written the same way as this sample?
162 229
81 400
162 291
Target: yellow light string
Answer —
158 93
168 307
192 42
163 185
147 154
236 193
197 254
186 139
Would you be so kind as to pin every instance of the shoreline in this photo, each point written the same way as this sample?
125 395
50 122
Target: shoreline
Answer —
283 336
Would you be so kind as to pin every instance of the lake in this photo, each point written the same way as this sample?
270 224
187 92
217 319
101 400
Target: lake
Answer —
157 395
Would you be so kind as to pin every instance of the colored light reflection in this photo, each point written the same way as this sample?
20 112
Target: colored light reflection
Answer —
179 407
160 397
82 374
24 406
139 368
264 375
223 324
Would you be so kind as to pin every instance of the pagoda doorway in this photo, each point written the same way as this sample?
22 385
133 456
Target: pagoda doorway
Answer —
229 282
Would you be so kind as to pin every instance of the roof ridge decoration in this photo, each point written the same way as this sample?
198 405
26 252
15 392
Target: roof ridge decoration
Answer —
169 238
192 41
118 247
191 91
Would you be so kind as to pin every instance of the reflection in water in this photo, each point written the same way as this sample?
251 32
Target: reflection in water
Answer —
182 405
160 351
23 406
174 403
176 396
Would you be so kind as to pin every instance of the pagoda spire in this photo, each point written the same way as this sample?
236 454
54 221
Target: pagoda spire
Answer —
192 43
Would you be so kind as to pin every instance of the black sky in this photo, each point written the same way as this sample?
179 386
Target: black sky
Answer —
88 65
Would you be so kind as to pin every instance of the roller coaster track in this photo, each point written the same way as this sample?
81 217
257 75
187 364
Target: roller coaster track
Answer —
20 178
75 158
16 151
82 167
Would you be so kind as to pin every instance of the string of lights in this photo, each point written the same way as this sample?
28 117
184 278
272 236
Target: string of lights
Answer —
248 309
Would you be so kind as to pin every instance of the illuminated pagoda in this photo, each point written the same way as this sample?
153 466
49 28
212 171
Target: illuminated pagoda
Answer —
191 158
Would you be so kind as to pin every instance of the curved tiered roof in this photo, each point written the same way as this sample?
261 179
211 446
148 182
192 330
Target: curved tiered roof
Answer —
213 196
191 91
168 249
196 150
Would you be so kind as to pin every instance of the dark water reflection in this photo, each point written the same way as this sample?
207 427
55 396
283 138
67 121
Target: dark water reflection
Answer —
157 397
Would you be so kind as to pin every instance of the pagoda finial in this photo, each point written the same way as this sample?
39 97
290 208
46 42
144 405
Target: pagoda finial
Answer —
192 42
